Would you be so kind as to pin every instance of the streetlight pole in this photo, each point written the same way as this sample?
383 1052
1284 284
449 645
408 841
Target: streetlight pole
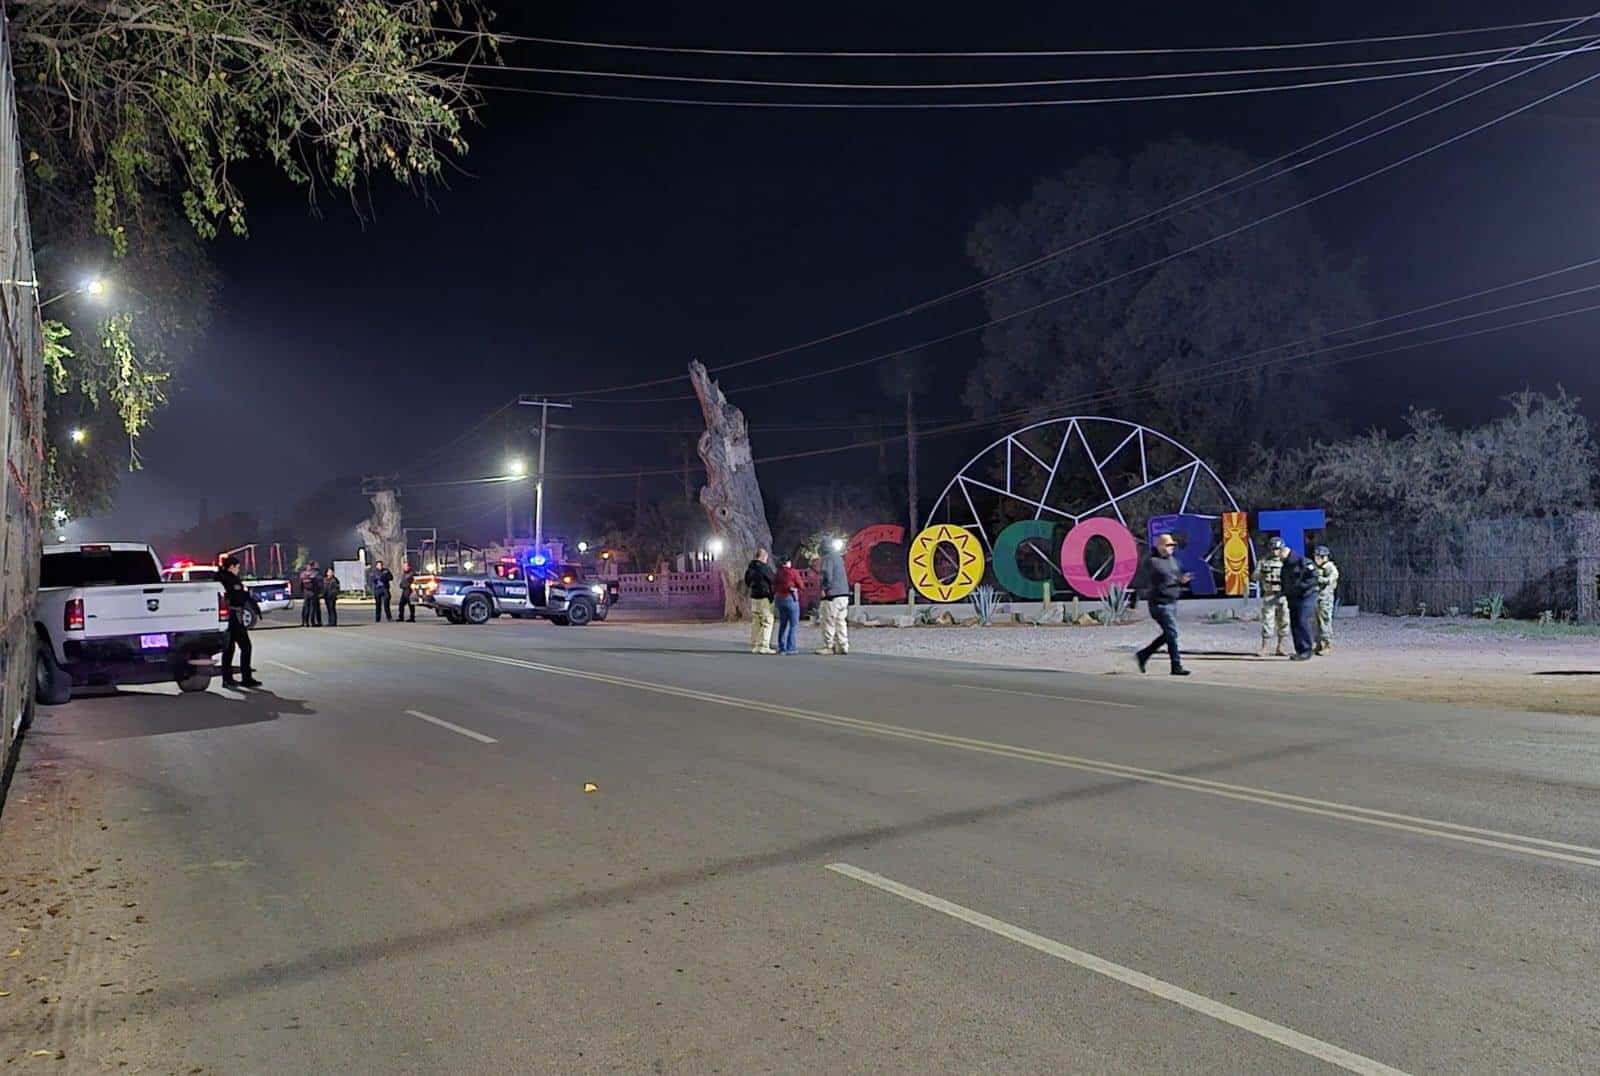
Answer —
544 407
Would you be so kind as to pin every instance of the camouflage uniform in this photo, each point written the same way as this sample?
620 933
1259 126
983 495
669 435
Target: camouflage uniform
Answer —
1274 606
1327 598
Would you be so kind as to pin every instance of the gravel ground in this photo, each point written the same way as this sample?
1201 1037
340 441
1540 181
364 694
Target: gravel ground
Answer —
1504 666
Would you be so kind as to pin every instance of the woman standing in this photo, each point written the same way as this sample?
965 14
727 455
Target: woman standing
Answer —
786 595
330 596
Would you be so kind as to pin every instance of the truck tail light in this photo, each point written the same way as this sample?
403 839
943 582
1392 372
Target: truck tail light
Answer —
222 607
72 615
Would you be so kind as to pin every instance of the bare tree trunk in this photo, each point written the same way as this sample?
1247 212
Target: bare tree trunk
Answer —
383 534
732 494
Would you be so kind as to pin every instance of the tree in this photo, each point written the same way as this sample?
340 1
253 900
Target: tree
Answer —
135 117
1537 460
1126 348
810 514
732 493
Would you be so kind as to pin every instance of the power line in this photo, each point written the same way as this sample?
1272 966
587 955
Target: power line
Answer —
1082 80
1006 53
1263 173
1155 263
1104 395
935 106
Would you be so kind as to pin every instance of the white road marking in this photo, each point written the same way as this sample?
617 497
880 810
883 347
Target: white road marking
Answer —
1044 695
286 668
442 723
1255 1025
1579 854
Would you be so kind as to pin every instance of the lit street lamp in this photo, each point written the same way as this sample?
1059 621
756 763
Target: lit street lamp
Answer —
715 547
94 288
517 468
583 547
79 435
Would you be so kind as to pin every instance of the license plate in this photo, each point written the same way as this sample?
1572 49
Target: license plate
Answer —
152 642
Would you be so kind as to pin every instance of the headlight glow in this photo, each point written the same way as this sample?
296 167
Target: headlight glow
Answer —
597 589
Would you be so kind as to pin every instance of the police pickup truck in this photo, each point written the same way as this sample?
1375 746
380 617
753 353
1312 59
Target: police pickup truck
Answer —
270 594
549 592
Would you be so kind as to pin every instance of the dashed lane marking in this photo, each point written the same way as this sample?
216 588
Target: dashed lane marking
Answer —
1149 984
442 723
1582 855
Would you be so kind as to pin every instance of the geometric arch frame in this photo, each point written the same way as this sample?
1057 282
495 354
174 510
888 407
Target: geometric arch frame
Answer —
1133 436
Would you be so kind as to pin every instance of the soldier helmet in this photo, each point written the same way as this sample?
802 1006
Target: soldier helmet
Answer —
1277 544
1323 551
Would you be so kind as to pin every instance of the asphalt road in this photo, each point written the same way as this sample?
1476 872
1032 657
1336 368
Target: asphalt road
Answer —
388 863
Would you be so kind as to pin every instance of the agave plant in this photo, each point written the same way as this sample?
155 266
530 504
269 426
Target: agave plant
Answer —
1114 606
983 603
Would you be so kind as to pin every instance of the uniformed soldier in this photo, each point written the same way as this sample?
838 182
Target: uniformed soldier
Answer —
238 597
1327 596
1274 606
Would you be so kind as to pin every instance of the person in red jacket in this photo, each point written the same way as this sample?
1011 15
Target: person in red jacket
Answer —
786 588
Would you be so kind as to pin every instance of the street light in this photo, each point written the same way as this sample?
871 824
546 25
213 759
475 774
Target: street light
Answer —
517 468
715 546
79 435
94 287
583 547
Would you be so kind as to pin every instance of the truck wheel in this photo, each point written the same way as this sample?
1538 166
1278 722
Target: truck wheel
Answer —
454 617
579 613
476 609
52 685
194 682
247 618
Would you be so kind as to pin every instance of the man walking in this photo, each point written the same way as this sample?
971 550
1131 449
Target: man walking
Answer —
238 598
1274 607
382 580
407 577
759 577
834 609
1327 596
1300 589
330 597
1165 582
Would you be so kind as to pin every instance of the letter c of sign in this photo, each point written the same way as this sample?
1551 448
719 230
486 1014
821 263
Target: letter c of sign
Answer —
969 563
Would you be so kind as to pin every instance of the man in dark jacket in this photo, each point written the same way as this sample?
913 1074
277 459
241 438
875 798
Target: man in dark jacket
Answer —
382 580
759 577
407 577
1164 581
239 598
311 597
330 597
1300 587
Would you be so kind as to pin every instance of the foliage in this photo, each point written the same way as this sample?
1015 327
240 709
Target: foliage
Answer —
1490 607
1536 460
1114 605
1130 345
983 603
810 514
135 118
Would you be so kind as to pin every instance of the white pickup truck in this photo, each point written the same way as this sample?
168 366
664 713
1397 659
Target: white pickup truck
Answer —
270 594
106 617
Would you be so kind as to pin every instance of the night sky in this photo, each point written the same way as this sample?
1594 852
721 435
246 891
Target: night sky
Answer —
590 243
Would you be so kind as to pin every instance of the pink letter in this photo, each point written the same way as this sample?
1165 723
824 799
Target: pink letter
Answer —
1124 556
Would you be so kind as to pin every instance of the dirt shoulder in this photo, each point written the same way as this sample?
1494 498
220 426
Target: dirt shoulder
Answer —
1468 663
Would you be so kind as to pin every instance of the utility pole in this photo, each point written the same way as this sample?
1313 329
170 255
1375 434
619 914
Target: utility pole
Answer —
911 463
544 407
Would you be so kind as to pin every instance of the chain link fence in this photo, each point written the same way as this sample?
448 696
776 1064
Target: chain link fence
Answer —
21 424
1537 565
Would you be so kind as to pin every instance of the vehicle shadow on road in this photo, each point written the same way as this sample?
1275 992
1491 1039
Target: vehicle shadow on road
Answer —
1568 672
123 715
334 960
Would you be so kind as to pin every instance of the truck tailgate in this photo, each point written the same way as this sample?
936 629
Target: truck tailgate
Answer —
143 610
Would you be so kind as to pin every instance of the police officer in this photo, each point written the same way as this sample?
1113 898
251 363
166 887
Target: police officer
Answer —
1300 588
239 598
1274 606
382 580
1327 596
330 597
407 577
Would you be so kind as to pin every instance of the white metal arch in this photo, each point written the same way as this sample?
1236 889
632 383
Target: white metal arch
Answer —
1187 473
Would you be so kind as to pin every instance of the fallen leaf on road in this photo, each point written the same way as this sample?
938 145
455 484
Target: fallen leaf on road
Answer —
5 993
14 954
589 786
40 1053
